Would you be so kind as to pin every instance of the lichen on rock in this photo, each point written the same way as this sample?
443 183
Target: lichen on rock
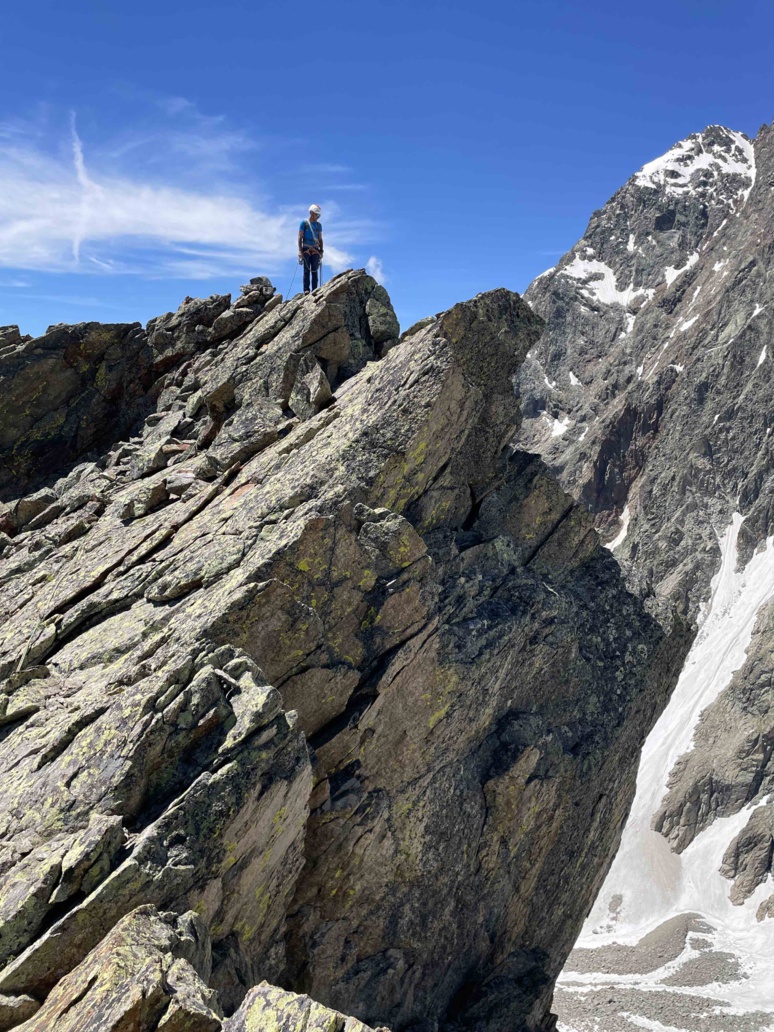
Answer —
327 663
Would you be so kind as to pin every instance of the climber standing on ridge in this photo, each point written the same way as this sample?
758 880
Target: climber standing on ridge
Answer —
310 245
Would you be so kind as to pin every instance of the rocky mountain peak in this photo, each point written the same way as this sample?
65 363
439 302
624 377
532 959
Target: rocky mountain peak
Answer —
651 230
707 163
663 281
649 395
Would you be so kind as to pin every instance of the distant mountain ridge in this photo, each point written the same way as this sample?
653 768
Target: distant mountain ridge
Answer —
650 396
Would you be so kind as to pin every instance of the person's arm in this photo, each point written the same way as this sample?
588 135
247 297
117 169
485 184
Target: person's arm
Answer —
321 244
300 242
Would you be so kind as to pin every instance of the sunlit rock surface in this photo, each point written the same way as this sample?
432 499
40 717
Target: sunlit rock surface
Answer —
307 650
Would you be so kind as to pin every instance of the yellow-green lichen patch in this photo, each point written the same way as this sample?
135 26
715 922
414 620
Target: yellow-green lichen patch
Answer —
441 693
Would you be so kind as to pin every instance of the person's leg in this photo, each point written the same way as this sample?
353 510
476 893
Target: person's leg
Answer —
315 263
306 274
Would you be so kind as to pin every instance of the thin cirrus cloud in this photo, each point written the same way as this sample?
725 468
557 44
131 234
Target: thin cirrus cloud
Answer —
322 168
68 208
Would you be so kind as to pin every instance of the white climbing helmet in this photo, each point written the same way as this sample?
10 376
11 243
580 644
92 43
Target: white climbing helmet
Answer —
315 209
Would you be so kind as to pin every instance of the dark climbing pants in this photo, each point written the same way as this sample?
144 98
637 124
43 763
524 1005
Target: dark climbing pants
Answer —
311 265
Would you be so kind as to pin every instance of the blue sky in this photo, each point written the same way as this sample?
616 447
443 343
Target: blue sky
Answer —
157 149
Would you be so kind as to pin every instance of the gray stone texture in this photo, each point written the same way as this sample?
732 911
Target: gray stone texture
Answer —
315 654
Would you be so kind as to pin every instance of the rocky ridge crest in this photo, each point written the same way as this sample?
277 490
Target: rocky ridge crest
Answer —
309 678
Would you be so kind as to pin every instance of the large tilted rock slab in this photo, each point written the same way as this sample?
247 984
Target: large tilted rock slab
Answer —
319 657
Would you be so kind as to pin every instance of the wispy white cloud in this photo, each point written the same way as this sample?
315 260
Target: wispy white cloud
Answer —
332 169
167 210
108 266
17 128
9 131
89 192
174 105
374 268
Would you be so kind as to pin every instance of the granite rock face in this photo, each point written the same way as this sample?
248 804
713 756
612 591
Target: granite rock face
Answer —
649 396
77 389
308 651
150 974
645 389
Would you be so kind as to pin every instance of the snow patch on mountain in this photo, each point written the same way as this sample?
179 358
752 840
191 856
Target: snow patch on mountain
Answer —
621 535
720 152
648 883
558 426
599 282
671 273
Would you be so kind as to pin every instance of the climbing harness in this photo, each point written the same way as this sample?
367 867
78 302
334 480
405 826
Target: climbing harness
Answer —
315 236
